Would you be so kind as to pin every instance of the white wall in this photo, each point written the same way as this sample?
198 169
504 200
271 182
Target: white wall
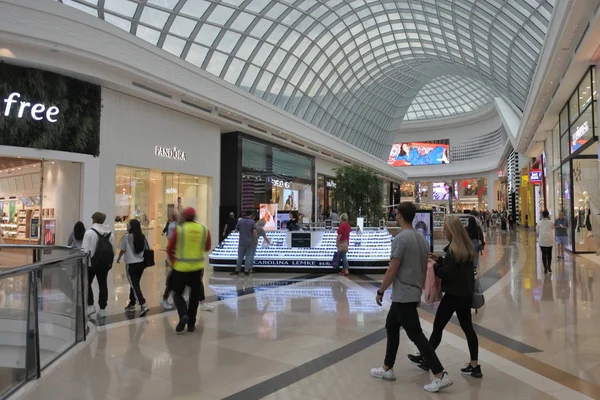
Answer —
324 167
62 184
130 130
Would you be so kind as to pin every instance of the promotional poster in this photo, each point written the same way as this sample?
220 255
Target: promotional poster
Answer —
419 153
290 200
268 212
441 191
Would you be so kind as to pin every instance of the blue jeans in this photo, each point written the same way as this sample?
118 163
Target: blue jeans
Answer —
476 245
344 260
246 252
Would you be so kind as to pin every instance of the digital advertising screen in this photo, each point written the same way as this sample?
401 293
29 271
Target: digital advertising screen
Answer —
423 224
268 212
290 200
405 154
441 191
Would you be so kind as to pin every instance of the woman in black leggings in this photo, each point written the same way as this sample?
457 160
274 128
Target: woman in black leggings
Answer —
457 272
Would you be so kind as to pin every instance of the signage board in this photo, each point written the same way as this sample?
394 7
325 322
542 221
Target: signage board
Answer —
301 239
171 153
535 176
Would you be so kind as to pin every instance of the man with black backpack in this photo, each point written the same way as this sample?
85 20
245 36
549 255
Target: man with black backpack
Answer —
99 242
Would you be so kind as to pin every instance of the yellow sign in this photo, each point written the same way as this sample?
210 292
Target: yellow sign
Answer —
524 180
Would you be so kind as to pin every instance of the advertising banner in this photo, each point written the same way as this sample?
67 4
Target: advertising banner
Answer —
268 212
419 153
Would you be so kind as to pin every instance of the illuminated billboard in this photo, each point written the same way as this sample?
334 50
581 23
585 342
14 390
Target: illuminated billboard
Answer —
420 153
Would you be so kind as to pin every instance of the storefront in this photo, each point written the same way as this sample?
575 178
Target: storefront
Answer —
49 138
257 174
325 196
575 172
156 161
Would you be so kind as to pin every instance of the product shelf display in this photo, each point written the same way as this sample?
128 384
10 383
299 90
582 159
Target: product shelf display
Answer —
369 249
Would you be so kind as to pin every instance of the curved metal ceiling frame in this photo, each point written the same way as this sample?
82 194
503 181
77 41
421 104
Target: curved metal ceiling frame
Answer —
349 67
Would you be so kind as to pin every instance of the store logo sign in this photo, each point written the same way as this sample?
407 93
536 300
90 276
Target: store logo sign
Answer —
171 191
580 131
330 184
281 183
37 111
535 176
172 153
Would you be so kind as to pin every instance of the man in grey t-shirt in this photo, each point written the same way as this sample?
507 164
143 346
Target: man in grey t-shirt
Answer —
247 243
406 274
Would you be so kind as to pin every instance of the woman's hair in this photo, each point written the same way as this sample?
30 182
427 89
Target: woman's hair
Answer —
545 214
295 215
79 231
422 226
401 153
344 217
473 228
460 243
135 229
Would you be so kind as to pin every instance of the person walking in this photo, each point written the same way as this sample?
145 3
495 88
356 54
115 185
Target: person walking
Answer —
406 274
229 225
132 246
170 228
456 269
477 239
247 243
545 234
187 253
343 243
99 243
562 237
75 239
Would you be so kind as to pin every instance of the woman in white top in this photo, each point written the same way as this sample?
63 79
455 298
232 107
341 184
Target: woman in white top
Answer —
545 234
132 245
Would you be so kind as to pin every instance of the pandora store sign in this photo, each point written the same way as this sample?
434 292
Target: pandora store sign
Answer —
173 153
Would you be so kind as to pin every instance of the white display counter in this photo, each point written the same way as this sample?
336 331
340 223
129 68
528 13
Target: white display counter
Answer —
369 250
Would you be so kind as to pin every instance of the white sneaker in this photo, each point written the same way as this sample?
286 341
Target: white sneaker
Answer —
101 313
165 305
90 310
438 384
206 307
381 373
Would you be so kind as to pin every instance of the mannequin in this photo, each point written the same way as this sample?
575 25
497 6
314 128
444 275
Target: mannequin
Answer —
580 218
586 207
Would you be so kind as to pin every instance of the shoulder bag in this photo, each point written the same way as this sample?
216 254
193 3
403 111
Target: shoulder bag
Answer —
148 255
478 297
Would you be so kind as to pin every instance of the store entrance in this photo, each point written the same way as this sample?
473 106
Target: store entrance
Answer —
150 196
39 204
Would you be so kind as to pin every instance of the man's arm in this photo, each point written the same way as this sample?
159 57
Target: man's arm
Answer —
171 247
390 273
208 244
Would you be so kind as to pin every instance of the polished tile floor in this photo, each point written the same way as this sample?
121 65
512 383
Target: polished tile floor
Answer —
303 336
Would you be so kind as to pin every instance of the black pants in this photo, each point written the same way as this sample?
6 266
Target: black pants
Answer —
101 276
179 280
134 275
462 307
546 257
405 315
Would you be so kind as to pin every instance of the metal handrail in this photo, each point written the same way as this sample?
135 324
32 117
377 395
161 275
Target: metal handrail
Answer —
36 246
7 273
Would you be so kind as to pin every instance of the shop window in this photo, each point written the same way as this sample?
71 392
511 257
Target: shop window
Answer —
585 186
564 121
585 90
581 130
574 107
558 200
565 145
555 146
151 196
566 198
594 85
407 191
254 155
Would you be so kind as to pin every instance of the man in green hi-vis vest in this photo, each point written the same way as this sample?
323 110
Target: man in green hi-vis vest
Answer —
187 252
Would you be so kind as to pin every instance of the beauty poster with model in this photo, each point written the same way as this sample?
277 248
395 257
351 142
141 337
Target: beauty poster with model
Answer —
268 212
422 224
419 153
290 200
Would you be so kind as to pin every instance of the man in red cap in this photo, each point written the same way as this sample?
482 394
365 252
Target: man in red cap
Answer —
187 253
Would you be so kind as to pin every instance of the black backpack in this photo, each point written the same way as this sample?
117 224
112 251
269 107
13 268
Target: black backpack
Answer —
104 254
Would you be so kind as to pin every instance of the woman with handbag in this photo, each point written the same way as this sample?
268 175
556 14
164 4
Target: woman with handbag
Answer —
343 242
133 245
457 272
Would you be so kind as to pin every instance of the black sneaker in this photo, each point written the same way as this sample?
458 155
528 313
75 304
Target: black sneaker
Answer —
182 323
247 273
191 328
418 361
469 370
234 273
145 310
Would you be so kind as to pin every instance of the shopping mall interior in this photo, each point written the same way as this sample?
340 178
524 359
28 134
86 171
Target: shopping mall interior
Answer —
316 125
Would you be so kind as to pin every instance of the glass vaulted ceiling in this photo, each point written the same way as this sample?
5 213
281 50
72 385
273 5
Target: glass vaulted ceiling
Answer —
449 95
349 67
